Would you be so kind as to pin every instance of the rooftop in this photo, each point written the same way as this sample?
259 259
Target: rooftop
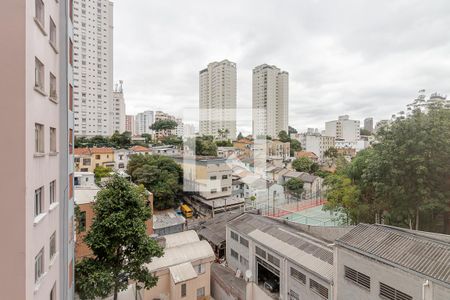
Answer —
214 230
227 279
101 150
138 148
182 272
85 195
424 253
305 177
167 220
301 248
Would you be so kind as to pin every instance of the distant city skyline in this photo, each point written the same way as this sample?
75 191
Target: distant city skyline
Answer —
360 58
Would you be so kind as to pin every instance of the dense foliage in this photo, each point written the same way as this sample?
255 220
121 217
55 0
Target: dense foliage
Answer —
295 187
119 242
117 140
164 125
295 145
160 175
404 180
304 164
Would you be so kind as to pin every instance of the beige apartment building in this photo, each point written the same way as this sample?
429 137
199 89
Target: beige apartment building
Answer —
217 99
278 149
36 115
87 159
184 270
270 101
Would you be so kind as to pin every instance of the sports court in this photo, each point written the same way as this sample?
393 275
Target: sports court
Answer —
313 216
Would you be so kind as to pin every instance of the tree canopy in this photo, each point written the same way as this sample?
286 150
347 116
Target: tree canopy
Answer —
117 140
164 125
161 175
292 130
404 180
119 242
283 136
304 164
295 187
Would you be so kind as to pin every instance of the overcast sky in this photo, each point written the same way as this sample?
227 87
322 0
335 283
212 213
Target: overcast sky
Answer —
361 58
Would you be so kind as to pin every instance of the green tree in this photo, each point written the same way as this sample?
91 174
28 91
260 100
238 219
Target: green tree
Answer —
160 175
303 164
331 152
224 143
121 140
283 136
164 125
223 133
295 187
119 243
101 172
240 136
365 132
148 138
295 146
205 146
172 140
292 130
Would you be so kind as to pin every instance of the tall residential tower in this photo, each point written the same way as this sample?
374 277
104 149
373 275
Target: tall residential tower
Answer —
217 100
36 221
93 65
270 101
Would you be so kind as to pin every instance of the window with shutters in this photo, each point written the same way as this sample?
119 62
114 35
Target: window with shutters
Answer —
388 292
274 260
297 275
357 277
293 295
234 236
260 252
234 254
318 288
243 241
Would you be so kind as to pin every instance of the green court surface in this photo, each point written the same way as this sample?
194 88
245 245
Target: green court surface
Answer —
313 216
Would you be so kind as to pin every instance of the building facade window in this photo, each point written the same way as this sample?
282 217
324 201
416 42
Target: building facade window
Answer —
260 252
40 12
70 52
234 254
38 201
53 88
297 275
390 293
200 268
39 265
183 290
357 277
39 75
52 245
201 292
243 261
39 138
243 242
213 178
293 295
52 33
82 222
318 288
52 192
273 260
53 140
234 236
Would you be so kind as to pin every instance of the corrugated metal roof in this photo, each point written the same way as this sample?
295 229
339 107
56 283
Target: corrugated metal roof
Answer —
299 247
424 253
182 272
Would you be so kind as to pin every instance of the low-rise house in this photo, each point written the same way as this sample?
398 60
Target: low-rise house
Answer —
312 185
168 150
227 152
82 159
384 262
184 270
264 192
275 174
307 154
168 223
245 146
121 157
282 260
137 149
237 187
87 159
278 149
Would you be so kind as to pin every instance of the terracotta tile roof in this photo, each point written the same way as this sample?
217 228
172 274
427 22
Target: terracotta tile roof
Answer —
102 150
138 148
82 151
307 154
244 141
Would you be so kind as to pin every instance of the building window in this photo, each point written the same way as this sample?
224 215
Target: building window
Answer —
260 252
39 138
183 290
40 12
234 236
297 275
224 189
52 192
53 94
274 260
70 97
53 292
318 288
38 201
52 245
39 265
243 241
293 295
357 277
39 74
97 157
387 292
200 268
70 52
52 33
82 222
243 261
234 254
224 176
213 178
52 139
201 292
213 191
70 141
86 161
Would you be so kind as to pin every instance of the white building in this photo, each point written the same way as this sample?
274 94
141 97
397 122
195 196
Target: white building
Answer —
270 101
368 124
143 121
218 99
343 129
93 67
313 141
36 221
118 117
